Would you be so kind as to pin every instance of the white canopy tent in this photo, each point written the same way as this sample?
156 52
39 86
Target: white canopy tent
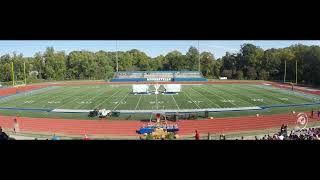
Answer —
141 88
172 88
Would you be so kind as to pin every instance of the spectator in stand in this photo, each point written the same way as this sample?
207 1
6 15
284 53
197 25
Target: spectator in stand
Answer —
86 137
269 137
255 137
3 135
222 137
281 137
197 135
285 129
242 138
54 137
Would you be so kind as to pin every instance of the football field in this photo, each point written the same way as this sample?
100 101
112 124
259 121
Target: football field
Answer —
120 97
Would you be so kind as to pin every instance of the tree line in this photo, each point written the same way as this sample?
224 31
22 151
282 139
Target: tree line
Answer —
251 62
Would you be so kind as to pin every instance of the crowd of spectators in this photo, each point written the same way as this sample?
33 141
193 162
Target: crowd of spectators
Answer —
283 134
300 134
3 135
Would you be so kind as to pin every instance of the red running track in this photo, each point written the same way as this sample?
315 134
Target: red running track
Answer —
129 127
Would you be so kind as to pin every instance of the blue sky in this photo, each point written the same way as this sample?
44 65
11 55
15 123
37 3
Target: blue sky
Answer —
152 47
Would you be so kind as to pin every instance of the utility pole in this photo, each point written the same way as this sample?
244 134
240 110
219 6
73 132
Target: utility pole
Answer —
285 71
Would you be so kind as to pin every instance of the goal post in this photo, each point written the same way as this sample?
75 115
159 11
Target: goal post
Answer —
15 81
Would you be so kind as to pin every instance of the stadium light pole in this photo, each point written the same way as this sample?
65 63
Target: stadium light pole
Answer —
285 71
117 55
24 71
12 71
296 71
199 56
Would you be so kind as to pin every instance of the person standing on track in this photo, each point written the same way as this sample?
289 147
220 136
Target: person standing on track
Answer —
16 127
197 136
209 136
312 113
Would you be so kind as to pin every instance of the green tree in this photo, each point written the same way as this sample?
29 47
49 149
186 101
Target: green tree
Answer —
239 74
192 59
263 74
207 62
216 67
251 73
227 73
174 61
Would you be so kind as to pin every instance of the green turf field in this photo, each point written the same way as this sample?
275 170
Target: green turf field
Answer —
119 97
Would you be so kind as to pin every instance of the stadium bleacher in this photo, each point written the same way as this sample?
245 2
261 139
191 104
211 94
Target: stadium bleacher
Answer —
158 76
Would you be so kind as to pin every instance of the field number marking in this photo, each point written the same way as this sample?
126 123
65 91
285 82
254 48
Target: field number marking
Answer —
257 100
195 102
85 102
54 102
228 100
28 102
122 102
284 99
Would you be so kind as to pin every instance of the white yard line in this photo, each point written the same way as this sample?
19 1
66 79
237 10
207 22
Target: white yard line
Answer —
49 94
218 96
138 103
239 98
94 97
108 98
46 99
175 101
28 94
192 100
287 94
31 98
245 96
157 101
73 99
86 94
206 98
267 96
121 101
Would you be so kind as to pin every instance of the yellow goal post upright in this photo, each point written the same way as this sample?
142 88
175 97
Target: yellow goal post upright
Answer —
16 83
